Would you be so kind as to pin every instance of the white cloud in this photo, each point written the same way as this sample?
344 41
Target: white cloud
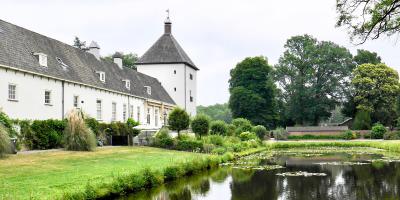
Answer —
215 34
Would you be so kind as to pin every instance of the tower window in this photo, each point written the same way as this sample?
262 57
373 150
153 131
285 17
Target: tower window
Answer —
174 71
98 109
191 76
76 101
175 89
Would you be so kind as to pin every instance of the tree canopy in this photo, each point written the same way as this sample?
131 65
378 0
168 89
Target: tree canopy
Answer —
178 120
253 92
312 75
376 90
368 19
79 44
364 56
216 112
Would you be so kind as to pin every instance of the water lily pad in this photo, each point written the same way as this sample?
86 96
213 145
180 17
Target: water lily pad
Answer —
301 173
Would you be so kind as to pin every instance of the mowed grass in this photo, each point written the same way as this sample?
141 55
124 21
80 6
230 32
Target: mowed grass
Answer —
47 175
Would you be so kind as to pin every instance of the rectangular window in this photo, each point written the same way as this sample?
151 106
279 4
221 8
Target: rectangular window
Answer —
114 112
191 76
124 112
190 95
99 109
148 116
47 97
76 101
138 114
131 112
12 92
156 117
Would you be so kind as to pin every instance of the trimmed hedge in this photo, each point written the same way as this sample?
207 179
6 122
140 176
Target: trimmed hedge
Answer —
43 134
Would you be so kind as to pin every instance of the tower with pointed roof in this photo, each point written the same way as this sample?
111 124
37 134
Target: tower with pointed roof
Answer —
167 61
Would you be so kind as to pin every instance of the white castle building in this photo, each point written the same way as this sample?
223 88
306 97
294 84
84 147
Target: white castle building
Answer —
42 78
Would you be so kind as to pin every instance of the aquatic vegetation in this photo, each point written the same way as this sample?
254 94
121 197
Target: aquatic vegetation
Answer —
301 173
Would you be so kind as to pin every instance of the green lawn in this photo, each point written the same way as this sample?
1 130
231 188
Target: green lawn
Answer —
47 175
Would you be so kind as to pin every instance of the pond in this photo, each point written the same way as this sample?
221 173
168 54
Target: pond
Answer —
295 174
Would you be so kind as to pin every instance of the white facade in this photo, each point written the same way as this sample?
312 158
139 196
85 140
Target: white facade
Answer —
29 101
179 80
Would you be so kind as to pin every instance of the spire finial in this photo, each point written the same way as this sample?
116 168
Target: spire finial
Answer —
167 20
167 24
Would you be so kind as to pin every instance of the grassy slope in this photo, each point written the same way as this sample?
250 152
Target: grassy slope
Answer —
49 174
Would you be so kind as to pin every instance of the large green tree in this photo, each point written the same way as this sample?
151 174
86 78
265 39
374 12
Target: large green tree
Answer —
178 120
369 19
312 76
253 92
363 57
216 112
128 59
376 90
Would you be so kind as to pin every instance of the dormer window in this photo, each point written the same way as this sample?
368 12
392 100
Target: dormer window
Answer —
42 59
127 84
102 76
148 90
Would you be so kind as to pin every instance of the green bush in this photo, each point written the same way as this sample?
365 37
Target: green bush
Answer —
378 130
178 120
245 136
77 136
163 139
8 124
132 123
219 150
189 145
230 130
172 173
218 127
242 125
215 140
43 134
392 135
260 131
280 134
201 125
118 129
93 124
349 135
5 146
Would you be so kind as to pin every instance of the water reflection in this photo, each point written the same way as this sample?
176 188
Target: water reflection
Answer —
376 180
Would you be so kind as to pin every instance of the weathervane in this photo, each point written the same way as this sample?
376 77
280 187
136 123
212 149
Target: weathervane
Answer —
167 13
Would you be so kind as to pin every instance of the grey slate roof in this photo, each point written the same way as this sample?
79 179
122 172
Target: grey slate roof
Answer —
17 46
166 50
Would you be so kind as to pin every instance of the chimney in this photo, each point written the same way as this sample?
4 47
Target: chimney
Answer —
167 25
94 49
118 59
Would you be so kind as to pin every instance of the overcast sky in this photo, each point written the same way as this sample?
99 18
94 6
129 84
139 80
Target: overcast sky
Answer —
216 34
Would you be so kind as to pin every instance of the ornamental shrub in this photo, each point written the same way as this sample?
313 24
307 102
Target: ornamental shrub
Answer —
172 173
218 127
362 120
378 130
280 134
189 145
201 125
77 135
242 125
44 134
393 135
231 130
132 123
163 139
349 135
5 145
215 140
260 131
7 123
178 120
93 124
245 136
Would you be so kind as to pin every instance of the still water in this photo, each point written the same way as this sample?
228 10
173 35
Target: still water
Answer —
354 175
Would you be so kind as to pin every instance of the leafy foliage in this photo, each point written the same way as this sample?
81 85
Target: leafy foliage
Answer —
368 19
313 76
376 91
178 120
242 125
378 130
260 131
79 44
201 125
218 127
5 146
43 134
128 60
245 136
362 120
349 135
216 112
163 139
280 134
77 136
392 135
364 57
253 92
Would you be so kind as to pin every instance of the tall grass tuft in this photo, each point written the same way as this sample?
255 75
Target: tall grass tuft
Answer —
5 146
77 136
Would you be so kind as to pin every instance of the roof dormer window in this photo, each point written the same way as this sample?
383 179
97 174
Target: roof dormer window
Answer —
42 59
102 76
127 84
148 90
